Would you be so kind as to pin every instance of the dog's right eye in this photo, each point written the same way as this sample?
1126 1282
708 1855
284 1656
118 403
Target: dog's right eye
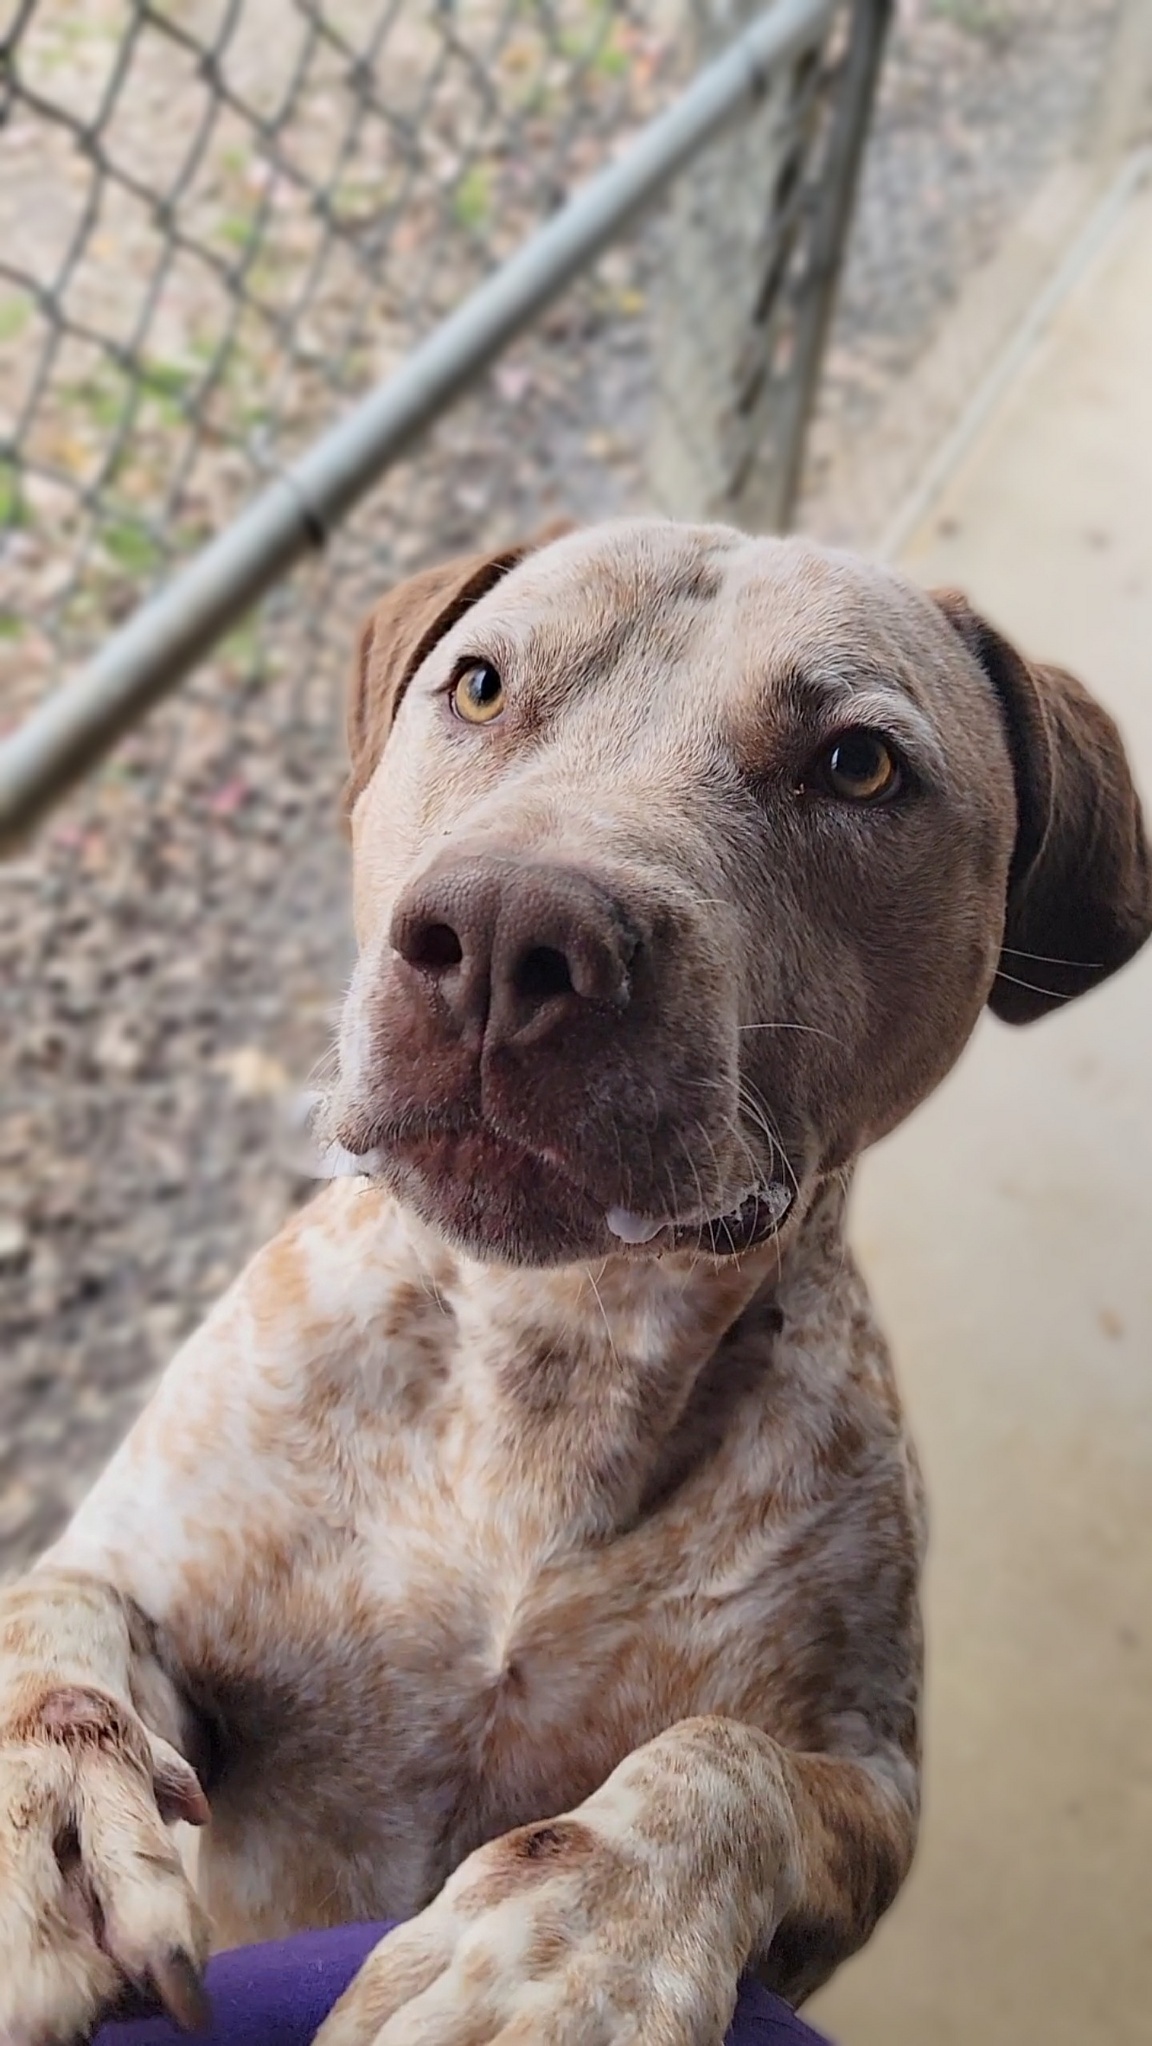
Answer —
478 693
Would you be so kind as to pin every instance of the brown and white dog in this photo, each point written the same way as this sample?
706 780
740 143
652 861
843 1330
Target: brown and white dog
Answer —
527 1545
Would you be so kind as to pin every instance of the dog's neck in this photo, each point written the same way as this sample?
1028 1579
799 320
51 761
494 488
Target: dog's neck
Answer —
595 1382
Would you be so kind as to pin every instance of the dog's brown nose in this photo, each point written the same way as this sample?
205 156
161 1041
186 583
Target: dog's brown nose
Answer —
513 946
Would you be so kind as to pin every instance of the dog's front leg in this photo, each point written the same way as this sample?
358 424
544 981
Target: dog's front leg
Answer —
631 1918
93 1899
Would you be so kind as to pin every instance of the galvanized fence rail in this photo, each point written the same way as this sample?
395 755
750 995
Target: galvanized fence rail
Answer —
228 218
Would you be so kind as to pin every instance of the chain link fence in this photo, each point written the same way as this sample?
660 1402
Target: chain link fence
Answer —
221 218
221 223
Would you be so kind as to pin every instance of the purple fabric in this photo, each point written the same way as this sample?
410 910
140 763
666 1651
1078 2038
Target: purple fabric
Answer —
277 1995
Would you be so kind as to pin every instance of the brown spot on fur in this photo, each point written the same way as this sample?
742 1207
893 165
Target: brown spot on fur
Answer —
19 1638
79 1718
479 1970
696 582
74 1711
549 1946
846 1444
530 1854
279 1289
540 1375
556 1842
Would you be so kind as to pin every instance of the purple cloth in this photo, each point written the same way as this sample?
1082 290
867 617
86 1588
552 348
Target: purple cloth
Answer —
277 1995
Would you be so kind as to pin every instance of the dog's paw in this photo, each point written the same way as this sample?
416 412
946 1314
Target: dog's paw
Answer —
95 1909
554 1932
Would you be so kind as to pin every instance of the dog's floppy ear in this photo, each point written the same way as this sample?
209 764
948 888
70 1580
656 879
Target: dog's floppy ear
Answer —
1080 882
400 631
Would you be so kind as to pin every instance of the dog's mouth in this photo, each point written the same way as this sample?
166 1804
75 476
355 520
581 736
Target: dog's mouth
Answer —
760 1215
456 1170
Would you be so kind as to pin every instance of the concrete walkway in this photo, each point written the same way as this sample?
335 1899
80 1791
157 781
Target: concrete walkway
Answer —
1008 1235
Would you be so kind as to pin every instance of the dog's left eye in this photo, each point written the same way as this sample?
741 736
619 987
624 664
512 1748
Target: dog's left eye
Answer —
478 693
858 767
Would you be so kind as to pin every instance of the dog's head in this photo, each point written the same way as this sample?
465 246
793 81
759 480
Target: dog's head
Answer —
684 864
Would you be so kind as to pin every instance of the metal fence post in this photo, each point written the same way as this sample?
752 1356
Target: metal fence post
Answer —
754 246
832 216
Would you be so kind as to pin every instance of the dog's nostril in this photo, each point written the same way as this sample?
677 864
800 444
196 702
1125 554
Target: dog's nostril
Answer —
434 948
541 973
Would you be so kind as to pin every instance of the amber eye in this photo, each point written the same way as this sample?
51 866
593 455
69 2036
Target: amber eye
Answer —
478 693
860 767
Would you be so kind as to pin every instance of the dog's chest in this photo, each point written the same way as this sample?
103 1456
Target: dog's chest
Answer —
424 1694
461 1653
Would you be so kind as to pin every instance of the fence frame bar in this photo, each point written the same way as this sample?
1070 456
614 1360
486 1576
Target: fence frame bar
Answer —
868 34
66 734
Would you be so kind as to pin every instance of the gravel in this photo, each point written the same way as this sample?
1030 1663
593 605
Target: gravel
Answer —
173 947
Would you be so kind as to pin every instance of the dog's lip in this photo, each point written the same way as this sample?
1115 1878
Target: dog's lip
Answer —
366 1151
758 1216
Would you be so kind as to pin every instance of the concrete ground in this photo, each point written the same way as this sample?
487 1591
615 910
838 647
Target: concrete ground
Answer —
1007 1232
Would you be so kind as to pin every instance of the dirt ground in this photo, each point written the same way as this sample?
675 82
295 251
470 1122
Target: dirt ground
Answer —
174 945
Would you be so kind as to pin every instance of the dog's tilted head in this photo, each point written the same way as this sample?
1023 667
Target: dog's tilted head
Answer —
684 864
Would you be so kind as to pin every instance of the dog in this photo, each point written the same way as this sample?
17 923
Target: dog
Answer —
527 1546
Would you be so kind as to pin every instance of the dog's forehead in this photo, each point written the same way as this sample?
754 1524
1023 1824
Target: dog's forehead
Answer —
751 608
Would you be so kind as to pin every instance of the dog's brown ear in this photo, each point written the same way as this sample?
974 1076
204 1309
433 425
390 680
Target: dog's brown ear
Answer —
401 631
1080 883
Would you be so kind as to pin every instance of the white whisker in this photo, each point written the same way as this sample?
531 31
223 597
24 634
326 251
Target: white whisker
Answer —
810 1030
604 1318
1051 994
1050 959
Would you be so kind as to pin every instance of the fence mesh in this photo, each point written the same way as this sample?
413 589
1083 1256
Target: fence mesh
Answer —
220 218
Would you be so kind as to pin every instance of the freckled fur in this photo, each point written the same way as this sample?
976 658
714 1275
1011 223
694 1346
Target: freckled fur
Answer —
558 1598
